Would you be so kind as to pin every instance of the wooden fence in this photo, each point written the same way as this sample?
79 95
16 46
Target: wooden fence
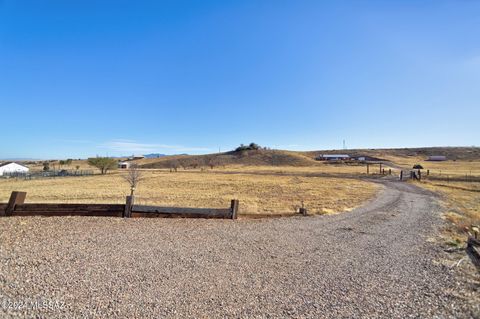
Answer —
16 207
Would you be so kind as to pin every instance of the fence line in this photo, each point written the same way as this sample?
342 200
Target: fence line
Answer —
47 174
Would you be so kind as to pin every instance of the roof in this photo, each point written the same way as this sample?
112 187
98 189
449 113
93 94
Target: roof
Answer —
335 155
7 163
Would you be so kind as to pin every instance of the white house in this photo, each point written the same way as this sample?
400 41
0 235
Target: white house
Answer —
124 165
11 167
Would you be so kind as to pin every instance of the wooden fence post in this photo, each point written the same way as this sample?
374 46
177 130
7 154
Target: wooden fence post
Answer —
380 168
234 208
303 211
401 175
15 198
128 206
389 171
368 168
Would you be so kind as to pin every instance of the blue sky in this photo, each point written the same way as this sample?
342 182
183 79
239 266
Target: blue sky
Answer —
81 78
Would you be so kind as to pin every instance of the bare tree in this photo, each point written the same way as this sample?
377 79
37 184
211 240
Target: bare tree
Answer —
133 177
174 165
212 162
194 163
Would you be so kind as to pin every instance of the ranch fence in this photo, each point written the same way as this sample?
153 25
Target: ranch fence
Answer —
47 174
16 206
418 174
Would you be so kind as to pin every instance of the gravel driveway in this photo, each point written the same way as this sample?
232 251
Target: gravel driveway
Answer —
373 262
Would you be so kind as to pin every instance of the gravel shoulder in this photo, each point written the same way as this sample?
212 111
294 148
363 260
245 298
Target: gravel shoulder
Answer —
376 261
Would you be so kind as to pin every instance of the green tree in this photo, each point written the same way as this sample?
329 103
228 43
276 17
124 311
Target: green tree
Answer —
251 147
46 166
104 164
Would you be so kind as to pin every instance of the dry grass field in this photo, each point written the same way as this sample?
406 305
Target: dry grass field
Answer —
81 164
462 201
453 168
265 181
320 169
266 194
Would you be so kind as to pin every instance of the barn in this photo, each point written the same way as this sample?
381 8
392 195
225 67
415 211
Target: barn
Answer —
137 157
333 157
11 167
437 158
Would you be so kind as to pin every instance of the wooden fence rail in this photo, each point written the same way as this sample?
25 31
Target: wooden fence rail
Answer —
17 207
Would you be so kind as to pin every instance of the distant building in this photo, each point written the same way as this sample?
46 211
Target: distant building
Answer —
137 157
124 165
333 157
437 158
11 167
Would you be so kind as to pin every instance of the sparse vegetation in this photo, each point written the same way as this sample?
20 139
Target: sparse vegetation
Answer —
462 201
249 147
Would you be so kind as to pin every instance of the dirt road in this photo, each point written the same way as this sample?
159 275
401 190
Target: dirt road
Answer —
373 262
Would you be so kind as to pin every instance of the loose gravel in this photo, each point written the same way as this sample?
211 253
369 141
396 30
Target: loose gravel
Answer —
376 261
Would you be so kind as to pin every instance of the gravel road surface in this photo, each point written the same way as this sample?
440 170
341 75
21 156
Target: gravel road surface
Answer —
376 261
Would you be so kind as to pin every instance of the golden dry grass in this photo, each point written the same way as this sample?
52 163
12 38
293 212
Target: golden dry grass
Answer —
462 201
454 168
321 168
82 165
257 193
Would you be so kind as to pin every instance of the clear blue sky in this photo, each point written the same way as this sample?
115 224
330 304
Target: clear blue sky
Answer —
80 78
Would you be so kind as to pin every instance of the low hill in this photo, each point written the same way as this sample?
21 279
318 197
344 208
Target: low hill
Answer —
265 157
259 157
